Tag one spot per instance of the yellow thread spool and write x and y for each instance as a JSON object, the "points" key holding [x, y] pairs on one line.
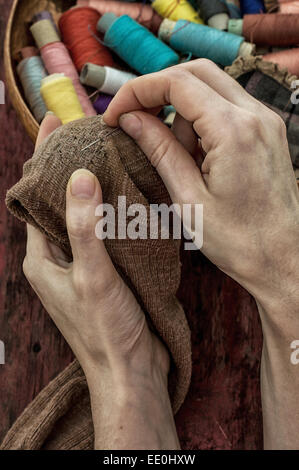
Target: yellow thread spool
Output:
{"points": [[176, 10], [61, 98]]}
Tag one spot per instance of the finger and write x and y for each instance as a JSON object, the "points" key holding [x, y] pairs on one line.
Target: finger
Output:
{"points": [[221, 82], [180, 86], [48, 125], [192, 98], [172, 161], [83, 196], [37, 244], [184, 133]]}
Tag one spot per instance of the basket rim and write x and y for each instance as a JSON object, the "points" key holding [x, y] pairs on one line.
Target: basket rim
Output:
{"points": [[19, 104]]}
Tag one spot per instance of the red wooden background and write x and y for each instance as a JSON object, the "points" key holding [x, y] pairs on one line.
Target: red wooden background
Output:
{"points": [[222, 410]]}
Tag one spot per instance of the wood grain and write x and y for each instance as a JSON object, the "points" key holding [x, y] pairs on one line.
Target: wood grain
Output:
{"points": [[223, 408]]}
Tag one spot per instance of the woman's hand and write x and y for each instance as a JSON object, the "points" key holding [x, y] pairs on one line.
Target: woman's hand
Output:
{"points": [[243, 177], [126, 366], [245, 181]]}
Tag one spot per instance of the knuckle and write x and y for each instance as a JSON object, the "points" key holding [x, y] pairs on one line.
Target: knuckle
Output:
{"points": [[178, 73], [159, 151], [80, 282], [251, 121], [80, 228], [278, 123], [28, 269], [205, 64]]}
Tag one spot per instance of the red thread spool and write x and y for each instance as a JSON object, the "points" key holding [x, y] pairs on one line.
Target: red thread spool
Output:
{"points": [[273, 30], [140, 12], [288, 59], [78, 27]]}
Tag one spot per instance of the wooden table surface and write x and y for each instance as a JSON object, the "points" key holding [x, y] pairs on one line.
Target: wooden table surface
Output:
{"points": [[222, 410]]}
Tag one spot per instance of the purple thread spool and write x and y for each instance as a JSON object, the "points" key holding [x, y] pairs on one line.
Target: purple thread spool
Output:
{"points": [[102, 102]]}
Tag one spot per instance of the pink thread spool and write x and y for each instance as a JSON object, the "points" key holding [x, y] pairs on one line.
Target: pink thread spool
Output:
{"points": [[57, 60]]}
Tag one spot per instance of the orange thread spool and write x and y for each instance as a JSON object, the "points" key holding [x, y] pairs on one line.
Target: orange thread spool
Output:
{"points": [[78, 26], [288, 59], [140, 12]]}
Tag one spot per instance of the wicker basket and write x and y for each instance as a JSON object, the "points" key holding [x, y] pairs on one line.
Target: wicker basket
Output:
{"points": [[18, 36]]}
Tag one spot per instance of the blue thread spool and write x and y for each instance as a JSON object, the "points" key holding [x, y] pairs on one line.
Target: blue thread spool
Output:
{"points": [[252, 6], [31, 72], [234, 11], [205, 42], [137, 46]]}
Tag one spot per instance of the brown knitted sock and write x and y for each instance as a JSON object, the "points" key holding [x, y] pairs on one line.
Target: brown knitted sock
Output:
{"points": [[60, 417]]}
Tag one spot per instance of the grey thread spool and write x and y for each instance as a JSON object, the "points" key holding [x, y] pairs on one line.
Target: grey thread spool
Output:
{"points": [[214, 12]]}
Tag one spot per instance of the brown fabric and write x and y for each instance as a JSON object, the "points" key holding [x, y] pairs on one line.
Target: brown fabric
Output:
{"points": [[60, 416]]}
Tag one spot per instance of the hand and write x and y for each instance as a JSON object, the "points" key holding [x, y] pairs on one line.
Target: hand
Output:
{"points": [[241, 172], [126, 366]]}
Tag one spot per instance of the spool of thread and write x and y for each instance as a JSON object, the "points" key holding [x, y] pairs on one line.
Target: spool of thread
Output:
{"points": [[234, 8], [214, 12], [61, 98], [140, 12], [288, 59], [27, 52], [176, 10], [289, 7], [44, 33], [57, 60], [78, 28], [31, 71], [204, 41], [271, 5], [169, 113], [249, 7], [45, 15], [105, 79], [137, 46], [102, 102], [273, 30]]}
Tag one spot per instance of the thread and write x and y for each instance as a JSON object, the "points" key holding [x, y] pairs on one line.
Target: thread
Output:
{"points": [[274, 30], [31, 72], [27, 52], [44, 33], [106, 79], [214, 12], [204, 41], [137, 46], [140, 12], [176, 10], [57, 60], [249, 7], [289, 7], [78, 27], [61, 98], [288, 59], [234, 8], [45, 15], [102, 102]]}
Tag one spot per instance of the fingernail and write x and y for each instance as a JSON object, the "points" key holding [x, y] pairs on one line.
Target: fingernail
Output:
{"points": [[131, 124], [49, 113], [83, 184]]}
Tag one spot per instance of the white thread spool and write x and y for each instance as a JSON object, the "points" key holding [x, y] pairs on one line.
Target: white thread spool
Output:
{"points": [[106, 79]]}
